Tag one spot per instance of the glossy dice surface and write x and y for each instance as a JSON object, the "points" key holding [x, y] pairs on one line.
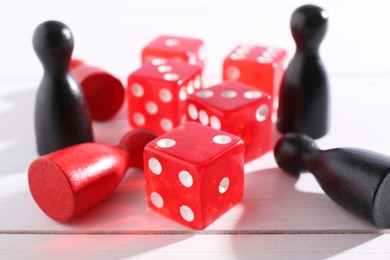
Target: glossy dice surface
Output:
{"points": [[157, 94], [236, 108], [185, 49], [258, 66], [194, 174]]}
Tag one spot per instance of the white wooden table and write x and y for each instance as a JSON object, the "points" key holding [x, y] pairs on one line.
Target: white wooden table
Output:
{"points": [[281, 217]]}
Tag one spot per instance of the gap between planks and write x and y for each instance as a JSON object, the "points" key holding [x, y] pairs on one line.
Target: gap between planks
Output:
{"points": [[195, 232]]}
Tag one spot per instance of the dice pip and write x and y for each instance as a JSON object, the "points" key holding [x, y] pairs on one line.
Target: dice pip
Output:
{"points": [[236, 108], [258, 66], [194, 174], [166, 47], [157, 94]]}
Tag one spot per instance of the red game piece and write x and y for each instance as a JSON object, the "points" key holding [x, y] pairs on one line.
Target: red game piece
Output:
{"points": [[103, 92], [67, 182], [157, 94], [165, 47], [258, 66], [194, 173], [236, 108]]}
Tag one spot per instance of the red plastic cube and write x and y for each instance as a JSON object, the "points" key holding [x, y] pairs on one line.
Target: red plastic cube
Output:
{"points": [[236, 108], [157, 94], [185, 49], [258, 66], [194, 174]]}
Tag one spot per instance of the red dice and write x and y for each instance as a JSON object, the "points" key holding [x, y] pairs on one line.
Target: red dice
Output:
{"points": [[157, 94], [236, 108], [185, 49], [194, 174], [258, 66]]}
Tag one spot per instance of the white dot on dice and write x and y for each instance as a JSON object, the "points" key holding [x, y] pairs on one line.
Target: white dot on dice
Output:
{"points": [[165, 95], [193, 112], [155, 166], [139, 118], [137, 89], [229, 94], [252, 94], [215, 123], [158, 61], [156, 200], [164, 68], [203, 117], [166, 124], [204, 93], [186, 213], [223, 185], [233, 73], [151, 107], [185, 178], [197, 82], [166, 143], [262, 113], [171, 76], [222, 139], [263, 59], [183, 93], [172, 42], [190, 87]]}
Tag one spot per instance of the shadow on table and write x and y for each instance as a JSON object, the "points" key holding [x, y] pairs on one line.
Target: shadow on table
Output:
{"points": [[117, 224], [17, 133], [17, 136], [125, 215], [282, 218]]}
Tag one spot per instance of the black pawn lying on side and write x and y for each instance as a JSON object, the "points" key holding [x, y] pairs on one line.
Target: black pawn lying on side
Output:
{"points": [[61, 116], [357, 179], [303, 101]]}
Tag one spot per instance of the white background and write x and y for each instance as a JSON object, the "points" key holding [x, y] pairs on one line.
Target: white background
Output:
{"points": [[281, 217]]}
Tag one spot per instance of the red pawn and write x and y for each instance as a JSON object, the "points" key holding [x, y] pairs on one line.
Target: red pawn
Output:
{"points": [[103, 92], [67, 182]]}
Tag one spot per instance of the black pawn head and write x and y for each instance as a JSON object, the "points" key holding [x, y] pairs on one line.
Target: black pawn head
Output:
{"points": [[293, 150], [309, 24], [53, 43]]}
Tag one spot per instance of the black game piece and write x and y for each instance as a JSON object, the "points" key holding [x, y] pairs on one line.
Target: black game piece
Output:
{"points": [[61, 116], [303, 101], [357, 179]]}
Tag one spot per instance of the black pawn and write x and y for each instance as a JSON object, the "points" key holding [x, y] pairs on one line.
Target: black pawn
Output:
{"points": [[303, 101], [357, 179], [61, 115]]}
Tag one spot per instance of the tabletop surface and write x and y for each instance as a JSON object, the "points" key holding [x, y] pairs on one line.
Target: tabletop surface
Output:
{"points": [[280, 217]]}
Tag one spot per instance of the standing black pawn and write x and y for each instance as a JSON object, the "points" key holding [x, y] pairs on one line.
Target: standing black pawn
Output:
{"points": [[357, 179], [61, 115], [303, 101]]}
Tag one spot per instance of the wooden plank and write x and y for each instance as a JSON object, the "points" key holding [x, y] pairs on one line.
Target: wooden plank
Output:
{"points": [[314, 246]]}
